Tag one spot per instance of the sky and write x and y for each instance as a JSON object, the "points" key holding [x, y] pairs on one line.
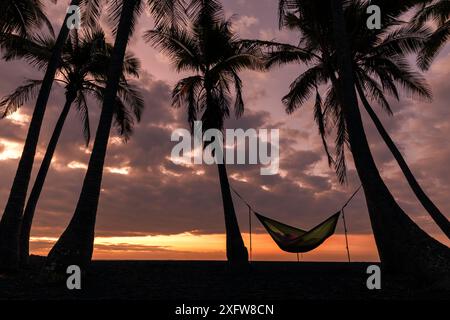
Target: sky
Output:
{"points": [[151, 208]]}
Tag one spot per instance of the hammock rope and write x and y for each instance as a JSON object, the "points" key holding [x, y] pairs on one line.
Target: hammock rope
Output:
{"points": [[250, 230], [250, 211], [345, 232], [345, 223]]}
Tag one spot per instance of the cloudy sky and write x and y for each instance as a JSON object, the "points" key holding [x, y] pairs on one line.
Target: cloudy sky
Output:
{"points": [[151, 208]]}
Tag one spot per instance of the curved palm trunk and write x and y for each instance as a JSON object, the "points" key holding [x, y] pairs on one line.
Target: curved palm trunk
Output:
{"points": [[75, 246], [40, 180], [402, 245], [236, 250], [12, 217], [434, 212]]}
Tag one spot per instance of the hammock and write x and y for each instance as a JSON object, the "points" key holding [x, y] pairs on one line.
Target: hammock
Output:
{"points": [[295, 240]]}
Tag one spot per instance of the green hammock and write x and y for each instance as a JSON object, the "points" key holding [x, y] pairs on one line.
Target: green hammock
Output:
{"points": [[295, 240]]}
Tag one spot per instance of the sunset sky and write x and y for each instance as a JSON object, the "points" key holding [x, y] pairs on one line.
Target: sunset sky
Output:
{"points": [[151, 208]]}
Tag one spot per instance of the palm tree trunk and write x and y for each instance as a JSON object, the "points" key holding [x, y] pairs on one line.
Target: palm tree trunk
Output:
{"points": [[40, 180], [434, 212], [402, 245], [12, 217], [75, 246], [236, 251]]}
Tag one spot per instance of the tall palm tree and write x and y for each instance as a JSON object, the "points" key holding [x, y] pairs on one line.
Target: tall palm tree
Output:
{"points": [[75, 246], [437, 11], [380, 63], [83, 73], [22, 16], [208, 48], [10, 223], [324, 46], [381, 55], [402, 245]]}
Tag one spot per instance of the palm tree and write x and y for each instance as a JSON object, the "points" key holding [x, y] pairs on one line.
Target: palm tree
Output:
{"points": [[10, 223], [438, 11], [402, 245], [209, 49], [75, 246], [383, 55], [22, 16], [332, 58], [380, 63], [83, 73]]}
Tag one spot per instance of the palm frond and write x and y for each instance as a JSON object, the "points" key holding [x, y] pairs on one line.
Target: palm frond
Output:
{"points": [[302, 88], [24, 93], [168, 14], [181, 48], [115, 10], [187, 93], [401, 72], [239, 100], [22, 16], [373, 91], [278, 58], [205, 12], [433, 46], [437, 11], [123, 120], [404, 40], [321, 122], [340, 163], [83, 110], [91, 12], [131, 65], [132, 98], [35, 50]]}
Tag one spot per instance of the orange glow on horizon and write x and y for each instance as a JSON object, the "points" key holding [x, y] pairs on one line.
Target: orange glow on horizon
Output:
{"points": [[188, 246]]}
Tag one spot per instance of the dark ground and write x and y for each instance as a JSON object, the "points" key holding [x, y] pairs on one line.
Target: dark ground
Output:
{"points": [[211, 280]]}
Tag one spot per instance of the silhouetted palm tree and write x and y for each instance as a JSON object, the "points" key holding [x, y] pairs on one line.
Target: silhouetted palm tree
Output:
{"points": [[83, 73], [22, 16], [402, 245], [210, 49], [381, 65], [10, 223], [437, 11], [75, 246], [331, 57]]}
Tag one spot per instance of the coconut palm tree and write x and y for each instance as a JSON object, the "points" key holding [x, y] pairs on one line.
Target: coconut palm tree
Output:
{"points": [[382, 55], [22, 16], [209, 49], [332, 58], [381, 65], [83, 73], [10, 223], [75, 246], [402, 245], [437, 11]]}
